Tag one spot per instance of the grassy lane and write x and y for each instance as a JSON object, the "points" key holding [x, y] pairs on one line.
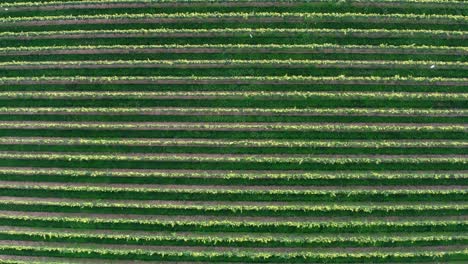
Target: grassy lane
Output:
{"points": [[12, 130], [236, 67], [259, 52], [234, 146], [214, 20], [229, 36], [236, 83], [213, 114]]}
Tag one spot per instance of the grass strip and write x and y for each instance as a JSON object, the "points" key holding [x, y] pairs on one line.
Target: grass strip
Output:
{"points": [[242, 16]]}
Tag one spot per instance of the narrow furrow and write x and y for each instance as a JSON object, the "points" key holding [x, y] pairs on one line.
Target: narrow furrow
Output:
{"points": [[330, 127]]}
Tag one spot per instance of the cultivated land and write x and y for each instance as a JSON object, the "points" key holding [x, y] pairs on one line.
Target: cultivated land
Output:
{"points": [[252, 131]]}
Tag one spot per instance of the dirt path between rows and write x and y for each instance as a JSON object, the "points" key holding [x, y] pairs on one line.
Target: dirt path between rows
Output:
{"points": [[239, 112], [116, 5], [88, 65], [233, 19], [111, 5], [232, 81], [223, 249], [371, 35], [252, 50]]}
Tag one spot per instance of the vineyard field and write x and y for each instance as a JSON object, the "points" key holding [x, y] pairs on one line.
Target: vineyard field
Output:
{"points": [[225, 131]]}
